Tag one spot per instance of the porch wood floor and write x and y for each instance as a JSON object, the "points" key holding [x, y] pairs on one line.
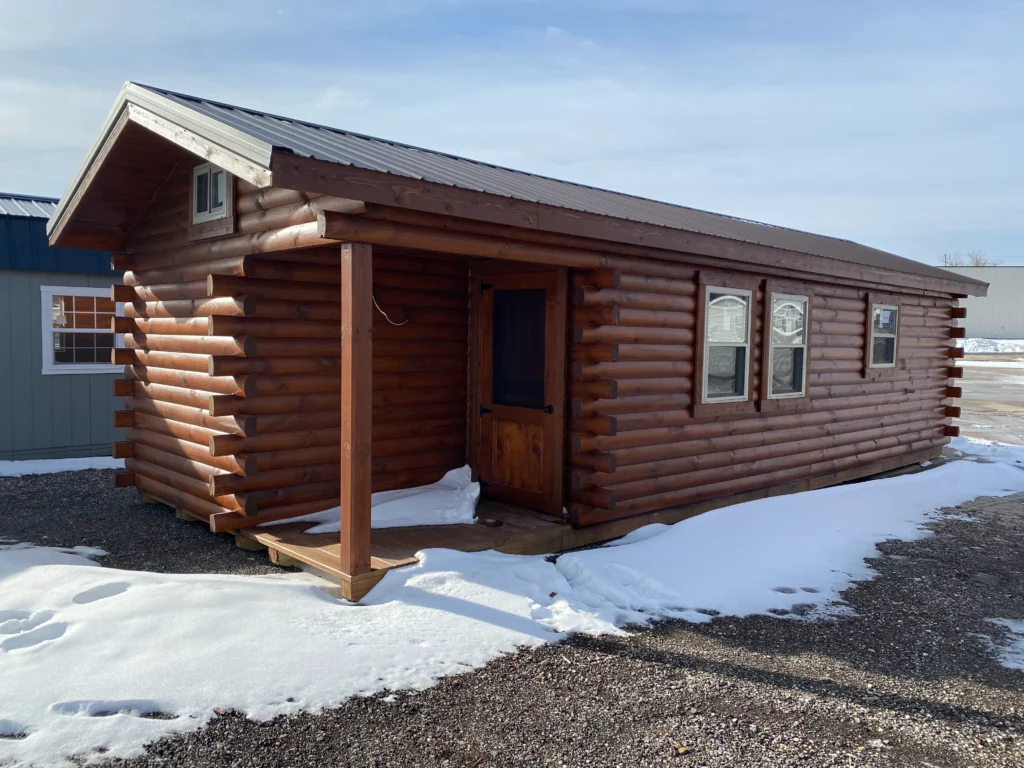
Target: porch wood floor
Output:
{"points": [[500, 526]]}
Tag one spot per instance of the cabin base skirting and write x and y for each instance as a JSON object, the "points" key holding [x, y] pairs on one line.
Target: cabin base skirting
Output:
{"points": [[522, 531]]}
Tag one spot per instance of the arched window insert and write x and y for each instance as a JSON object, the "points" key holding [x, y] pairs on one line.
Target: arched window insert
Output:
{"points": [[787, 353]]}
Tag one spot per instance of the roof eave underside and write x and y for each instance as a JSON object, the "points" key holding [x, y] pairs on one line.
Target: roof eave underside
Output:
{"points": [[244, 154]]}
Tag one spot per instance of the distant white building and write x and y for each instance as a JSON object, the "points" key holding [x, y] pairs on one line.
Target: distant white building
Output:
{"points": [[1000, 315]]}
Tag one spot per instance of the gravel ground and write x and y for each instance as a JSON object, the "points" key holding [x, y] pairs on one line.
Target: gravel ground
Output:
{"points": [[905, 682], [68, 509]]}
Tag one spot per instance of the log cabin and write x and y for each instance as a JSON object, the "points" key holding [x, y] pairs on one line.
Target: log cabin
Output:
{"points": [[312, 315]]}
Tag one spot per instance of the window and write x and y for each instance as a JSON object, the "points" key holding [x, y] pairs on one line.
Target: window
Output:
{"points": [[76, 330], [726, 344], [787, 354], [209, 193], [884, 328]]}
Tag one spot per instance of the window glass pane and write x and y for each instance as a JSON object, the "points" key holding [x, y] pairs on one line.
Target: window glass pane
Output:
{"points": [[84, 304], [727, 318], [788, 321], [82, 348], [217, 190], [62, 350], [884, 320], [727, 370], [203, 192], [883, 351], [787, 370], [518, 347], [60, 319], [105, 305]]}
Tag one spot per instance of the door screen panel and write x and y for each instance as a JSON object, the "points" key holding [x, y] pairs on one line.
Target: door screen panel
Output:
{"points": [[518, 347]]}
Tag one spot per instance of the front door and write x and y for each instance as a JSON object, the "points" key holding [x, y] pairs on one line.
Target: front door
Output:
{"points": [[521, 387]]}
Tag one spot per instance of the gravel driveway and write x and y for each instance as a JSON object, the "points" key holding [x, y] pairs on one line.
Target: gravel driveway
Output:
{"points": [[907, 681]]}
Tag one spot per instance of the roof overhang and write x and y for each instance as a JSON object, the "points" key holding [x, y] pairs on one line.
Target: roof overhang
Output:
{"points": [[239, 153]]}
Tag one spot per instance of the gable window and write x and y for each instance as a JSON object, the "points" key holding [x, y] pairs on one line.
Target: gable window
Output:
{"points": [[209, 193], [726, 344], [76, 330], [884, 330], [787, 354]]}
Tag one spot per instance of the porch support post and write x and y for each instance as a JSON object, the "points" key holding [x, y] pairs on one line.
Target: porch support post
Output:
{"points": [[356, 402]]}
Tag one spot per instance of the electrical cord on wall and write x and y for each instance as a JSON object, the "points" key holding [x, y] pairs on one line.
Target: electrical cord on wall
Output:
{"points": [[385, 313]]}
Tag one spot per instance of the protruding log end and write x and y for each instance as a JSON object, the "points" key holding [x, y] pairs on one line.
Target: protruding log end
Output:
{"points": [[953, 411], [124, 479], [951, 431], [122, 293], [956, 352], [959, 313], [956, 373], [124, 387], [124, 449], [124, 419], [120, 356], [954, 392], [958, 332]]}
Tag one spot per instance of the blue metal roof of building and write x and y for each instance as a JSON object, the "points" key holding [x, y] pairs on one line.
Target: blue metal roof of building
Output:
{"points": [[23, 243]]}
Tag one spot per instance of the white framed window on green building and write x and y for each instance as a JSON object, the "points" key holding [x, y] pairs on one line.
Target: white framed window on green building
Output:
{"points": [[76, 330]]}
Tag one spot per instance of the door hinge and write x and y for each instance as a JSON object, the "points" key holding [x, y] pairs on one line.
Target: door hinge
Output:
{"points": [[549, 409], [484, 410]]}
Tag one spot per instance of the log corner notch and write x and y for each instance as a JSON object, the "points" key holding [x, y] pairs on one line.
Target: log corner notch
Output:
{"points": [[356, 422]]}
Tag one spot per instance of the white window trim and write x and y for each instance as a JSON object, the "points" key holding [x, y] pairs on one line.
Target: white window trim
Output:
{"points": [[770, 333], [709, 289], [217, 213], [50, 368], [879, 335]]}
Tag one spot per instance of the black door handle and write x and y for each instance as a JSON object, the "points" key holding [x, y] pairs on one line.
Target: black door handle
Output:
{"points": [[549, 409]]}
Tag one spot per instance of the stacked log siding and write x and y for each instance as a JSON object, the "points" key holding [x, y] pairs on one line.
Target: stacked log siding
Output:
{"points": [[232, 350], [636, 446]]}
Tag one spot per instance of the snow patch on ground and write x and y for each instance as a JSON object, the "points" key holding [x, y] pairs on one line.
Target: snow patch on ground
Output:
{"points": [[774, 554], [991, 346], [1017, 364], [1011, 650], [95, 659], [450, 500], [49, 466], [1005, 453]]}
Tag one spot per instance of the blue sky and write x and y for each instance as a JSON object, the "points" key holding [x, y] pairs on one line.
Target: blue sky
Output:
{"points": [[896, 124]]}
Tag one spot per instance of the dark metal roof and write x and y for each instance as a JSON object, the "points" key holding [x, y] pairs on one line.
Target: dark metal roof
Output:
{"points": [[23, 243], [250, 136], [27, 205]]}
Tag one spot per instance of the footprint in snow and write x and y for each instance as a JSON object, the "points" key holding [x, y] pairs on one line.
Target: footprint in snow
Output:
{"points": [[15, 622], [785, 590], [144, 708], [11, 730], [100, 592], [34, 637]]}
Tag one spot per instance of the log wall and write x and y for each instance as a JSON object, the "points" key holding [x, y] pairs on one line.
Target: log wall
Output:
{"points": [[232, 371], [635, 445]]}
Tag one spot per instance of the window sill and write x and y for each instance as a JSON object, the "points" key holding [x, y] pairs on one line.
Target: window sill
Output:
{"points": [[82, 369], [729, 407]]}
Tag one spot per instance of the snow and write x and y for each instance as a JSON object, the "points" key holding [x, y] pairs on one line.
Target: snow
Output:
{"points": [[1005, 453], [991, 346], [85, 650], [450, 500], [1011, 651], [49, 466], [1014, 364]]}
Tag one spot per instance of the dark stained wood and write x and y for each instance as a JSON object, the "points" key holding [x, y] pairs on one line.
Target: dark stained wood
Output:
{"points": [[519, 453], [356, 389]]}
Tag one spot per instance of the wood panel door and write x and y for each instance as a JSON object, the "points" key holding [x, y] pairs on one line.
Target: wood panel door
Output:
{"points": [[521, 386]]}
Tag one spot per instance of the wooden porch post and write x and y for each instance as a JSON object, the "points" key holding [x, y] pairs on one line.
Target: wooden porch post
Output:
{"points": [[356, 401]]}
